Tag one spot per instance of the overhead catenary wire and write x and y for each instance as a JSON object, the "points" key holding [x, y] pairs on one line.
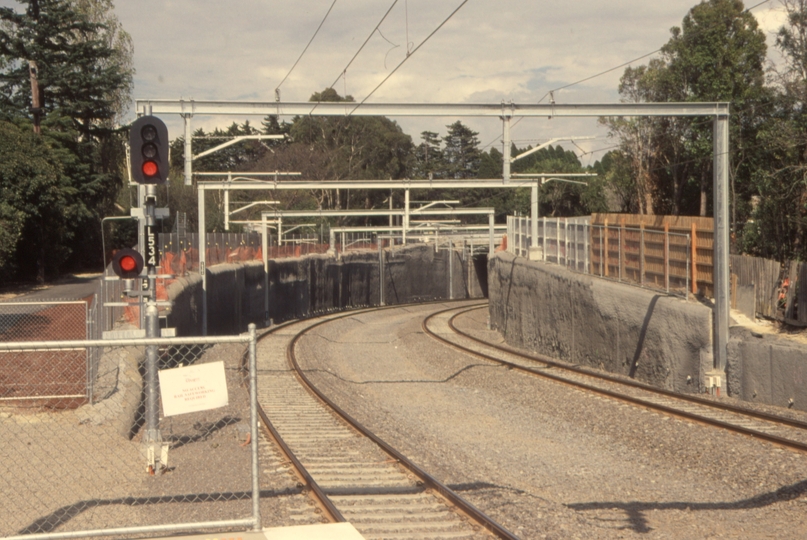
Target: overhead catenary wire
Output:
{"points": [[391, 73], [551, 92], [277, 90], [604, 72], [372, 33]]}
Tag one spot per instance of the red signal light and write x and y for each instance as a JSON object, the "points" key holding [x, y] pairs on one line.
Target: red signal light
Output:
{"points": [[148, 150], [128, 263], [149, 168]]}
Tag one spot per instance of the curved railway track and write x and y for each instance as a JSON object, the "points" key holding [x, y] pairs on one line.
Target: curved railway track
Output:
{"points": [[353, 474], [777, 429]]}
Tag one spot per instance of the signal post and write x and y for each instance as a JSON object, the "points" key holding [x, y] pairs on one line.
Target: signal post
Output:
{"points": [[148, 144]]}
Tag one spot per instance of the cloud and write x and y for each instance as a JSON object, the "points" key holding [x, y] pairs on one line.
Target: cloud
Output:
{"points": [[491, 50]]}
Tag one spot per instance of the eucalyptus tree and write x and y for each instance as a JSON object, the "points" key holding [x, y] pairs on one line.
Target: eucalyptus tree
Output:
{"points": [[717, 54]]}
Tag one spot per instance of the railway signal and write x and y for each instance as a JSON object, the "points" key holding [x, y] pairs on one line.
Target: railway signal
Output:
{"points": [[148, 147], [127, 263]]}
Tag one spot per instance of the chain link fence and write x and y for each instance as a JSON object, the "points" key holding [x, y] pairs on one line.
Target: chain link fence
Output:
{"points": [[80, 470], [27, 378]]}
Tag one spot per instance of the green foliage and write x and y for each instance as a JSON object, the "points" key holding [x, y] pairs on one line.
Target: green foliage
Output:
{"points": [[717, 54], [329, 148], [232, 158], [429, 159], [74, 69], [777, 203], [37, 200], [84, 74], [461, 154], [490, 165]]}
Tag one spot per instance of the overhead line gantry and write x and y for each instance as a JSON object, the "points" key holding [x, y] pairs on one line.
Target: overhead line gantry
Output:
{"points": [[718, 111]]}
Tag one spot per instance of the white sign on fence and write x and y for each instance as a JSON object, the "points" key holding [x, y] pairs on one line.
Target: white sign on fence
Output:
{"points": [[193, 388]]}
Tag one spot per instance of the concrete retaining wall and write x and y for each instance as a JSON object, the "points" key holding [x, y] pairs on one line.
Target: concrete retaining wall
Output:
{"points": [[661, 340], [303, 286], [767, 369], [654, 338]]}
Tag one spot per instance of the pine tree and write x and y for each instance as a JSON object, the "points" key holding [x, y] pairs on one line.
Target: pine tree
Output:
{"points": [[68, 49], [429, 162], [461, 153]]}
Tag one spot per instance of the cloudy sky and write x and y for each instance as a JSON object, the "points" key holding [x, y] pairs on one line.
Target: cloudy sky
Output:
{"points": [[489, 51]]}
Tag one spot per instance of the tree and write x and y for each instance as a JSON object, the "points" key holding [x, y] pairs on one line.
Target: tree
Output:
{"points": [[461, 153], [429, 160], [778, 202], [37, 201], [717, 54], [111, 33], [83, 83], [76, 73], [329, 148], [491, 164]]}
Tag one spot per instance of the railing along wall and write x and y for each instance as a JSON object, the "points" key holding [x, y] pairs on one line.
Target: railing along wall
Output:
{"points": [[642, 256]]}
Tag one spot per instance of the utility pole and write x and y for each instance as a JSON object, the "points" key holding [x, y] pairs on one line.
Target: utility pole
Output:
{"points": [[36, 101], [36, 98]]}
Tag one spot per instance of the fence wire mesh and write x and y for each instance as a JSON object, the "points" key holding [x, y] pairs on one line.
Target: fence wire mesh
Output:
{"points": [[75, 466], [648, 258], [30, 378]]}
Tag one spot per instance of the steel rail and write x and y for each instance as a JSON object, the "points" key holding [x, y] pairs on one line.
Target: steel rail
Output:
{"points": [[636, 384], [464, 506], [327, 505], [316, 491], [796, 445]]}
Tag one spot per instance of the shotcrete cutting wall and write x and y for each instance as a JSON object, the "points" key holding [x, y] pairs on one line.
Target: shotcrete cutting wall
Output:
{"points": [[658, 339], [302, 286], [767, 369]]}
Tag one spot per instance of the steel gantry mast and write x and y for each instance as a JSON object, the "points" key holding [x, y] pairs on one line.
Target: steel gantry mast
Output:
{"points": [[718, 111]]}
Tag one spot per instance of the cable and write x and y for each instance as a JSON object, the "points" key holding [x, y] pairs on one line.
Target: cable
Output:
{"points": [[277, 90], [551, 92], [599, 74], [747, 10], [344, 70], [408, 56]]}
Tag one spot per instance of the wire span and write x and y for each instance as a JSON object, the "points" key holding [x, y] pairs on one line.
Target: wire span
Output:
{"points": [[391, 73], [277, 90]]}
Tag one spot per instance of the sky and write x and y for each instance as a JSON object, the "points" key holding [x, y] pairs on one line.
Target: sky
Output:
{"points": [[489, 51]]}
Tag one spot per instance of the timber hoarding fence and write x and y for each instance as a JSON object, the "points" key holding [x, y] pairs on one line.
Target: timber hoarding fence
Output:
{"points": [[647, 257], [672, 253], [81, 472], [775, 291]]}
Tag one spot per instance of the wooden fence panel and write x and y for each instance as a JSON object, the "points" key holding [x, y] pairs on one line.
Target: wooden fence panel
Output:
{"points": [[678, 252], [764, 274], [801, 294], [790, 297]]}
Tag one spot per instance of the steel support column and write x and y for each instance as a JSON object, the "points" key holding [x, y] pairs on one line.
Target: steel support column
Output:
{"points": [[534, 215], [265, 253], [227, 206], [490, 235], [506, 148], [188, 150], [406, 216], [721, 240], [202, 257]]}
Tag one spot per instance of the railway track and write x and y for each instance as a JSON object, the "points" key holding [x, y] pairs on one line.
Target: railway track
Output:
{"points": [[353, 474], [777, 429]]}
